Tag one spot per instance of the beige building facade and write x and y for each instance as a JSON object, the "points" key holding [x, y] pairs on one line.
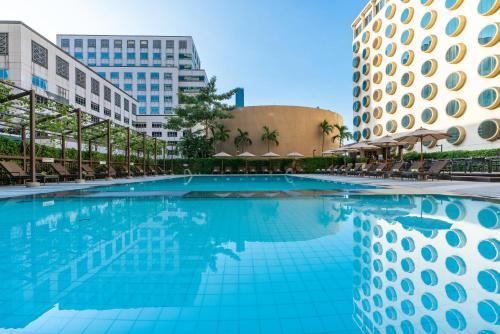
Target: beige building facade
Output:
{"points": [[298, 129]]}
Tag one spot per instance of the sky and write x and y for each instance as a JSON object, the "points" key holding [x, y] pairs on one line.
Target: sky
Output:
{"points": [[289, 52]]}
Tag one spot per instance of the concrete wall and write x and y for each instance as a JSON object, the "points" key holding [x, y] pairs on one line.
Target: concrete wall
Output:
{"points": [[298, 129]]}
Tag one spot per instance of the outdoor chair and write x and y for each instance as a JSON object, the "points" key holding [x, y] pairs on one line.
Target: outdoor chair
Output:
{"points": [[365, 169], [88, 172], [339, 169], [354, 170], [277, 170], [242, 170], [252, 170], [396, 169], [378, 170], [228, 170], [414, 171], [299, 169], [216, 170], [436, 169], [14, 172], [61, 171], [265, 170]]}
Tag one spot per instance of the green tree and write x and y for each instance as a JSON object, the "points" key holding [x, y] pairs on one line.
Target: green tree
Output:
{"points": [[342, 134], [220, 133], [326, 129], [242, 140], [269, 137]]}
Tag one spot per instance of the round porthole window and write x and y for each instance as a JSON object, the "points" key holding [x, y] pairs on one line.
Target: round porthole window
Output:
{"points": [[488, 7], [429, 115], [407, 58], [390, 49], [355, 62], [489, 67], [489, 35], [377, 24], [457, 135], [429, 143], [365, 117], [377, 60], [390, 69], [366, 101], [366, 69], [426, 2], [366, 133], [453, 4], [390, 30], [377, 95], [429, 91], [391, 126], [489, 129], [356, 106], [429, 44], [490, 98], [455, 81], [407, 100], [407, 15], [377, 42], [391, 87], [377, 130], [390, 11], [408, 121], [407, 79], [366, 53], [391, 107], [407, 36], [456, 108], [356, 135], [355, 47], [455, 53], [377, 112], [429, 67], [428, 20], [355, 76], [455, 26], [366, 37], [377, 77], [356, 120], [356, 91], [366, 85]]}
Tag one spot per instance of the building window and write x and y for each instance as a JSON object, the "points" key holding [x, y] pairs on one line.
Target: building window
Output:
{"points": [[127, 87], [94, 86], [172, 134], [39, 54], [104, 55], [80, 100], [127, 75], [126, 120], [169, 44], [107, 112], [4, 43], [155, 98], [79, 43], [156, 134], [65, 43], [118, 55], [134, 109], [168, 111], [155, 75], [118, 117], [141, 76], [63, 93], [142, 110], [126, 105], [79, 55], [118, 100], [155, 87], [62, 67], [38, 82], [155, 110], [156, 125], [117, 44], [130, 55], [91, 43], [107, 94], [167, 87], [143, 55], [104, 43], [167, 76], [141, 87], [141, 98], [131, 44], [156, 44], [143, 44], [115, 75], [94, 119], [80, 78], [140, 125], [94, 106], [91, 55], [183, 44]]}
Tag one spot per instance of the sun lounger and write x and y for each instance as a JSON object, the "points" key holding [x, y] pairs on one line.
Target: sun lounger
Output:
{"points": [[299, 169], [396, 169], [228, 170], [277, 170], [414, 171], [436, 169], [14, 172], [378, 170], [252, 170], [242, 170], [88, 172], [354, 170], [61, 171], [365, 169], [265, 170], [216, 170]]}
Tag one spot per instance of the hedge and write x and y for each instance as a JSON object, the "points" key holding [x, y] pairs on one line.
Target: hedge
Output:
{"points": [[453, 154]]}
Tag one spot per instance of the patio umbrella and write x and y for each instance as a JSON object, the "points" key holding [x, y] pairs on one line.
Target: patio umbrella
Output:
{"points": [[222, 155], [246, 154], [363, 146], [421, 135], [270, 155], [386, 142], [295, 155]]}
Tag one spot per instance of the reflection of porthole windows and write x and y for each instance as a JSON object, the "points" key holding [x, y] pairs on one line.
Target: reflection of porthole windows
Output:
{"points": [[489, 67], [429, 253], [356, 120], [456, 265], [407, 79], [455, 81], [489, 280], [377, 95], [488, 7], [355, 47], [455, 237], [407, 15], [390, 11], [355, 62], [390, 69], [429, 44], [457, 135], [407, 58], [391, 126], [366, 101], [366, 53], [390, 49], [429, 91], [489, 217], [407, 286], [366, 85], [356, 91], [490, 98], [377, 77], [407, 100], [456, 108], [391, 107], [390, 30], [377, 42], [356, 106], [429, 67], [455, 53], [429, 115], [489, 249], [408, 121], [366, 133], [407, 36], [489, 35], [426, 2], [408, 244], [455, 26], [391, 87], [456, 320], [377, 112], [429, 301], [428, 20], [429, 277], [377, 60], [366, 69], [453, 4], [489, 311], [489, 129], [355, 76], [429, 206], [377, 24], [377, 130], [366, 37]]}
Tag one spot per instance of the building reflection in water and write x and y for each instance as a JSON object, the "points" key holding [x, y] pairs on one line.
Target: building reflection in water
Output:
{"points": [[426, 264]]}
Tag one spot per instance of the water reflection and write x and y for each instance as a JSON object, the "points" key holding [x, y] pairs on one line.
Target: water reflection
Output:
{"points": [[433, 269]]}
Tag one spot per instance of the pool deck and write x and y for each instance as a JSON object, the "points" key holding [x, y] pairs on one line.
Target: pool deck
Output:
{"points": [[392, 186]]}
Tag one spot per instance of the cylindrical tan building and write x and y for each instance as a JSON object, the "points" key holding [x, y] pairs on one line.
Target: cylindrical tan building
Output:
{"points": [[298, 129]]}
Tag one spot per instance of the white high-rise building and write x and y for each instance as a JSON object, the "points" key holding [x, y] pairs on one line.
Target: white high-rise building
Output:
{"points": [[31, 61], [153, 69], [428, 63]]}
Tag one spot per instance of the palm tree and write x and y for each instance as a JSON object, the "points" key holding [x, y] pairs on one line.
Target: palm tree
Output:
{"points": [[342, 134], [326, 129], [220, 133], [242, 140], [270, 136]]}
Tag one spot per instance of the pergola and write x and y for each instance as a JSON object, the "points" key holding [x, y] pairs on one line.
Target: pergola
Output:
{"points": [[22, 111]]}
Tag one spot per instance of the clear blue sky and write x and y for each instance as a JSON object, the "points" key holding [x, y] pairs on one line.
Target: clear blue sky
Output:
{"points": [[294, 52]]}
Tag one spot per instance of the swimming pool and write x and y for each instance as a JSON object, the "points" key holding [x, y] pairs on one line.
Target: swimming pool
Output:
{"points": [[336, 264]]}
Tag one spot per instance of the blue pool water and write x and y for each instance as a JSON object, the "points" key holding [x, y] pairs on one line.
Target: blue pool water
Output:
{"points": [[336, 264]]}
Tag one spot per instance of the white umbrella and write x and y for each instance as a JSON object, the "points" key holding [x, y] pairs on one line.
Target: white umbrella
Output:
{"points": [[222, 155], [387, 142], [270, 155], [246, 154], [421, 135], [295, 155]]}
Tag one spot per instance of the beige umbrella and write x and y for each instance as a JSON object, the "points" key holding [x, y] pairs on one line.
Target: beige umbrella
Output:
{"points": [[387, 142], [421, 135], [246, 154], [222, 155], [295, 155], [270, 155]]}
